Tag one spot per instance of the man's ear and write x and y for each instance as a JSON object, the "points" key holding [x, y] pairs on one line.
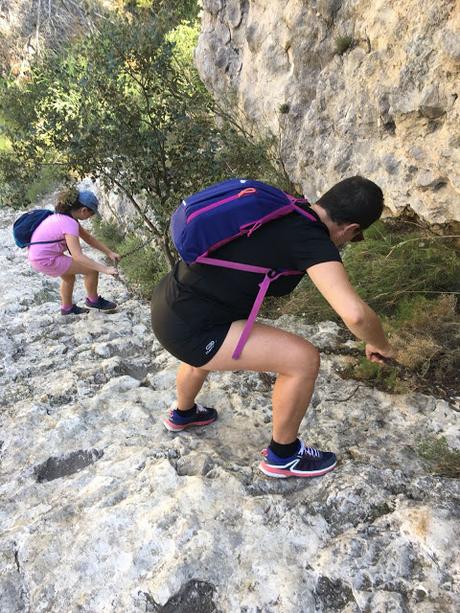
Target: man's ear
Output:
{"points": [[352, 227]]}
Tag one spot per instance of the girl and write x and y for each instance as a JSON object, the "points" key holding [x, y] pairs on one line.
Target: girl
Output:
{"points": [[63, 232]]}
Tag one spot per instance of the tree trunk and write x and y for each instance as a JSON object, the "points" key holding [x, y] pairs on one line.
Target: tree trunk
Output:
{"points": [[171, 259]]}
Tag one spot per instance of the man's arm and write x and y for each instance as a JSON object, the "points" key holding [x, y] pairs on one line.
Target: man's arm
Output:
{"points": [[332, 281]]}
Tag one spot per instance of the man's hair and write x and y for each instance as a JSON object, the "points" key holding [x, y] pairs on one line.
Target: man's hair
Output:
{"points": [[353, 200]]}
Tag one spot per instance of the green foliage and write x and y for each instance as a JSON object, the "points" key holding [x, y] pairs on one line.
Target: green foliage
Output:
{"points": [[174, 11], [390, 269], [440, 459], [385, 378], [49, 179], [126, 104], [5, 143], [144, 268], [184, 38], [142, 265], [109, 233], [390, 265]]}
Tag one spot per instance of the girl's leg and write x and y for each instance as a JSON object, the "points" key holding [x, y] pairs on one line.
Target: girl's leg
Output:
{"points": [[91, 280], [67, 285], [91, 277]]}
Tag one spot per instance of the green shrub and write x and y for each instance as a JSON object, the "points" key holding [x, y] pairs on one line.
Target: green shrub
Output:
{"points": [[48, 180], [386, 378], [141, 265], [390, 268], [108, 232], [440, 459], [144, 268], [402, 274], [343, 43]]}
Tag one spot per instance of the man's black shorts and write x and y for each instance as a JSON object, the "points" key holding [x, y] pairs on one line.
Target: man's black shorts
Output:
{"points": [[191, 337]]}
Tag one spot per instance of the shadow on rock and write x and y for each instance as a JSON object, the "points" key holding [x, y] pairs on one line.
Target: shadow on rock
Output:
{"points": [[65, 465]]}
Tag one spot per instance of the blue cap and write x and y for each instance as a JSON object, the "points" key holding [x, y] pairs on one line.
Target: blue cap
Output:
{"points": [[88, 199]]}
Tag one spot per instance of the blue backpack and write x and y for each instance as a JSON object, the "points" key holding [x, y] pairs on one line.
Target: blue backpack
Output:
{"points": [[24, 227], [223, 212]]}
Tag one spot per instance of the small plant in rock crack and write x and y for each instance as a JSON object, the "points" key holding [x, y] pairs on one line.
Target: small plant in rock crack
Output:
{"points": [[343, 43]]}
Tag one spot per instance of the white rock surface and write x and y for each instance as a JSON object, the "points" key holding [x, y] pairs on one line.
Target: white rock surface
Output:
{"points": [[102, 510], [386, 108]]}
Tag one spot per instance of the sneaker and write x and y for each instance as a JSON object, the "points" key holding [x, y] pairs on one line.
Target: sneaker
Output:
{"points": [[202, 416], [75, 310], [307, 462], [101, 304]]}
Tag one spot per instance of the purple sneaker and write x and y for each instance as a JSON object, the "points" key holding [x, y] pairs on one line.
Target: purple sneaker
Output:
{"points": [[202, 416], [74, 310], [307, 462], [101, 304]]}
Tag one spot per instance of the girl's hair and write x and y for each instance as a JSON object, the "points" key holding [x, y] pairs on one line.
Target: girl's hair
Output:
{"points": [[68, 201]]}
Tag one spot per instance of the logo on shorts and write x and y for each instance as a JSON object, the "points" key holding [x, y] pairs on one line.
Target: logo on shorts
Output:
{"points": [[209, 347]]}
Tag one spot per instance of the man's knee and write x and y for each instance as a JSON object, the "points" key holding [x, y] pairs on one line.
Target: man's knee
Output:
{"points": [[199, 372], [308, 361]]}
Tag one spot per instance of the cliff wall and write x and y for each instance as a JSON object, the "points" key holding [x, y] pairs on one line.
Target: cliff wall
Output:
{"points": [[351, 87]]}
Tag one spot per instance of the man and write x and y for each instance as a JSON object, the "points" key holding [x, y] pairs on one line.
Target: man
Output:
{"points": [[199, 311]]}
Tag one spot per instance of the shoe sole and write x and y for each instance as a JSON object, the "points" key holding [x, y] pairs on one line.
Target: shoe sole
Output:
{"points": [[76, 314], [280, 473], [172, 427], [102, 310]]}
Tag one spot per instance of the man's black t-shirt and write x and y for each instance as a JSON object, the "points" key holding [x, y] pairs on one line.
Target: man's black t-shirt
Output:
{"points": [[215, 295]]}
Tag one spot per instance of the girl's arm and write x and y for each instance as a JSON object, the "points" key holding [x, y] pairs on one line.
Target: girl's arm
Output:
{"points": [[73, 244], [93, 242]]}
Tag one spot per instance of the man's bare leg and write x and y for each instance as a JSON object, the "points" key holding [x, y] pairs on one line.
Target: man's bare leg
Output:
{"points": [[296, 362], [294, 359], [189, 381]]}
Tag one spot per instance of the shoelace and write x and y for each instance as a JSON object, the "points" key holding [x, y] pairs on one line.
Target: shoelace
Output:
{"points": [[311, 451]]}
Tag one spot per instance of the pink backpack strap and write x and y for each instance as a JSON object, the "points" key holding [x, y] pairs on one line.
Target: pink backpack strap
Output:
{"points": [[293, 201], [234, 265], [270, 276]]}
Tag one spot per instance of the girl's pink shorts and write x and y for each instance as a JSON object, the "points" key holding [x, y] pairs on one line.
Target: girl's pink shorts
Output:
{"points": [[54, 266]]}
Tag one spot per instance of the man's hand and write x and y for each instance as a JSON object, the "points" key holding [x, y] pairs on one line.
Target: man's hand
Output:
{"points": [[378, 355]]}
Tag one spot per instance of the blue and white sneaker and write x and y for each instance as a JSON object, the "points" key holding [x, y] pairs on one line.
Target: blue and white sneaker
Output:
{"points": [[307, 462], [202, 416]]}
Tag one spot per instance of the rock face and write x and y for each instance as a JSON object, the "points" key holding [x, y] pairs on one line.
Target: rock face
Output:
{"points": [[351, 87], [104, 510]]}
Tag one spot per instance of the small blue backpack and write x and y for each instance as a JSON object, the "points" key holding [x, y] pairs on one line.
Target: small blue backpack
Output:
{"points": [[24, 227], [223, 212]]}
